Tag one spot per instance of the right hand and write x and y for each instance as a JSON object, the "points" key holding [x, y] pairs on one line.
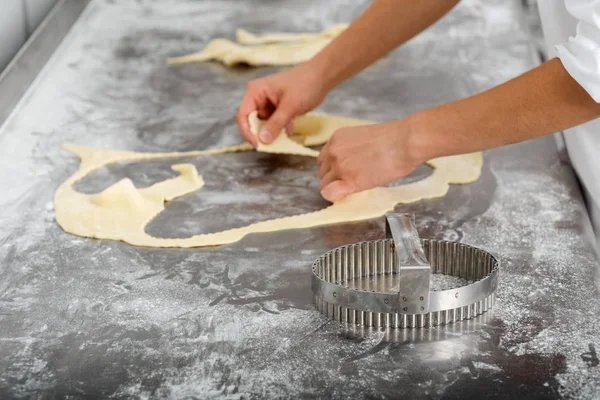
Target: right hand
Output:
{"points": [[278, 99]]}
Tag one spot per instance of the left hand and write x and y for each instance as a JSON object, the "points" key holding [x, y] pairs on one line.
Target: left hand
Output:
{"points": [[364, 157]]}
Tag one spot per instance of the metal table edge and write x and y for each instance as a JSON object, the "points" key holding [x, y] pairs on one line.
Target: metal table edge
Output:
{"points": [[21, 72]]}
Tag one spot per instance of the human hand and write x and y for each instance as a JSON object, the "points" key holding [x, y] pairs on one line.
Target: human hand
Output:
{"points": [[278, 99], [364, 157]]}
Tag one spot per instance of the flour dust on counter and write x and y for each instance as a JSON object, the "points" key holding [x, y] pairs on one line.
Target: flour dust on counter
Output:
{"points": [[545, 265]]}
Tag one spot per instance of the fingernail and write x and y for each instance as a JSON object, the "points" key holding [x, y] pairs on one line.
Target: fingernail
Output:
{"points": [[328, 194], [265, 136]]}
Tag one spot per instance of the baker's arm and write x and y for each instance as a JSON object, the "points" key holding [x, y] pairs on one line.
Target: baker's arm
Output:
{"points": [[544, 100], [559, 94], [385, 25]]}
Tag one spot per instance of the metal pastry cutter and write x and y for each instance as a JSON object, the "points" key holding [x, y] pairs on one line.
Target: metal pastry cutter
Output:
{"points": [[386, 283]]}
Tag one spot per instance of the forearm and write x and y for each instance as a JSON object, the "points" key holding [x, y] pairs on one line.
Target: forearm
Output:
{"points": [[385, 25], [540, 102]]}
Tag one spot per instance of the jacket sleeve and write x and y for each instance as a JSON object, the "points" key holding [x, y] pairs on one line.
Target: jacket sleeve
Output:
{"points": [[580, 55]]}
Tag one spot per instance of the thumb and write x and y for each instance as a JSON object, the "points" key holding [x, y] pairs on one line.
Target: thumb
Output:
{"points": [[276, 124], [337, 190]]}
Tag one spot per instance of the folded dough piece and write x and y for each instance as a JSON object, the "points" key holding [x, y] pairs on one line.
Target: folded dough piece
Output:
{"points": [[277, 49], [314, 129], [245, 37], [282, 144]]}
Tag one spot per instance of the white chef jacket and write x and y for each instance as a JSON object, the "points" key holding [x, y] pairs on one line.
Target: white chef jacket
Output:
{"points": [[572, 33]]}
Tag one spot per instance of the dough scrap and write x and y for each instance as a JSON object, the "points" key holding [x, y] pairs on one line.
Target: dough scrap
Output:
{"points": [[245, 37], [277, 49], [282, 144], [122, 211], [230, 53]]}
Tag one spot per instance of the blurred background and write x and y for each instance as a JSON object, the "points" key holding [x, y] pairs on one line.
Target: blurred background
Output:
{"points": [[20, 18], [18, 21]]}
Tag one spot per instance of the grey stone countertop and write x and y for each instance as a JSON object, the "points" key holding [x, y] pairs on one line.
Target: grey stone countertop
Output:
{"points": [[83, 318]]}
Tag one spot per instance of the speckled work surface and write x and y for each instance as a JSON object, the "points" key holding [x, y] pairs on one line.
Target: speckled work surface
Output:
{"points": [[86, 318]]}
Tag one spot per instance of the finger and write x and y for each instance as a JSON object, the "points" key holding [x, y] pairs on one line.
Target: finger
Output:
{"points": [[322, 154], [324, 169], [337, 190], [329, 177], [289, 128], [274, 125], [244, 126], [246, 107]]}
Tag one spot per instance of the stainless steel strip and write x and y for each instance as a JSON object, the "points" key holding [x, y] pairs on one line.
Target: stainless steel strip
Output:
{"points": [[29, 61], [378, 309]]}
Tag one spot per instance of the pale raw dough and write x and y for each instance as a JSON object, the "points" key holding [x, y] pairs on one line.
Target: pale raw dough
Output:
{"points": [[277, 49], [245, 37], [121, 212], [279, 54], [282, 144]]}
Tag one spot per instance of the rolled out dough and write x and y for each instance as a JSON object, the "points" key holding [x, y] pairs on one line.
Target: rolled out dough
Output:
{"points": [[122, 211], [277, 49], [245, 37]]}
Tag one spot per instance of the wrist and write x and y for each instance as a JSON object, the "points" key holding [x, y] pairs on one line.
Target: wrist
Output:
{"points": [[322, 71], [421, 143]]}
